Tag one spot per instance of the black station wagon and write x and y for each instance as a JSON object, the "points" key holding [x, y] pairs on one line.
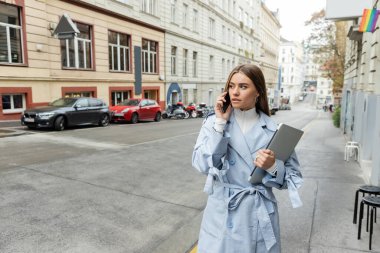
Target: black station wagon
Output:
{"points": [[66, 112]]}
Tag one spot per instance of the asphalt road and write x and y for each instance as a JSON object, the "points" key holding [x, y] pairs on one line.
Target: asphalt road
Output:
{"points": [[122, 188]]}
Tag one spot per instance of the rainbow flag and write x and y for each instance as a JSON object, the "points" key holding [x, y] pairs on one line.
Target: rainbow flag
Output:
{"points": [[369, 19]]}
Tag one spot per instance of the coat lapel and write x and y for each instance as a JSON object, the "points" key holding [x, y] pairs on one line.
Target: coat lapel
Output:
{"points": [[238, 142], [256, 138]]}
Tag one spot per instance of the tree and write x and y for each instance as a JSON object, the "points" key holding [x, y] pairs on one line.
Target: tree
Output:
{"points": [[327, 44]]}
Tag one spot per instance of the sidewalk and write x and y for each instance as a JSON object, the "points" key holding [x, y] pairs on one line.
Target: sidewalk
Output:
{"points": [[324, 223], [9, 128]]}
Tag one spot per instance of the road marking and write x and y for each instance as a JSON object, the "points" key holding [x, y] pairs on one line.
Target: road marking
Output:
{"points": [[195, 249]]}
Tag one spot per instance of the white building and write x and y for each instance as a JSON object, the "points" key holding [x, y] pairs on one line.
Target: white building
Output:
{"points": [[270, 43], [292, 71], [204, 40], [314, 77]]}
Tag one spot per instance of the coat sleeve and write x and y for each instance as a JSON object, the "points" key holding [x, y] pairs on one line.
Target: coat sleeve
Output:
{"points": [[288, 177], [210, 148]]}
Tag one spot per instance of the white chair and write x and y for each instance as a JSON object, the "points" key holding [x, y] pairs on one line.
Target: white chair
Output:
{"points": [[351, 150]]}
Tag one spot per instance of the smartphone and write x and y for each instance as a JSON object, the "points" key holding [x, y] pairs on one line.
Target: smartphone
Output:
{"points": [[227, 103]]}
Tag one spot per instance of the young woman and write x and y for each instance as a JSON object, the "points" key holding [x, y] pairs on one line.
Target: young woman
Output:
{"points": [[241, 217]]}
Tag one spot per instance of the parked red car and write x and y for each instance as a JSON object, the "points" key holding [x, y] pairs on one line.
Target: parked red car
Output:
{"points": [[134, 110]]}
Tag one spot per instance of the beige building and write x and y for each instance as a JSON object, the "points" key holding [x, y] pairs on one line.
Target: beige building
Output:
{"points": [[270, 44], [102, 61]]}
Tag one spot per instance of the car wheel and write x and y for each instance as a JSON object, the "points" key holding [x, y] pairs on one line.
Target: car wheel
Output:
{"points": [[59, 123], [158, 117], [104, 120], [135, 118]]}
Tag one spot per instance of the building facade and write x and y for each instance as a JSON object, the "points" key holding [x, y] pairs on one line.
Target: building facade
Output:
{"points": [[114, 57], [270, 44], [360, 108], [167, 50], [292, 70]]}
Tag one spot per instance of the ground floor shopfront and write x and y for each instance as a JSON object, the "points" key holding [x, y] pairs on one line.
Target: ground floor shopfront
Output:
{"points": [[17, 96]]}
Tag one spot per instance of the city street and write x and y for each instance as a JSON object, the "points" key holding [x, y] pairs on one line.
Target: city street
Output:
{"points": [[131, 188]]}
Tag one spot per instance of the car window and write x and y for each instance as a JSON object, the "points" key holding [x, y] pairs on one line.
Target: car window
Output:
{"points": [[82, 102], [64, 102], [96, 102], [133, 102], [152, 102], [144, 103]]}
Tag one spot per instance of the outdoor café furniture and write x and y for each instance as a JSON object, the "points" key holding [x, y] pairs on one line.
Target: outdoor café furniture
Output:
{"points": [[351, 149], [365, 189], [373, 202]]}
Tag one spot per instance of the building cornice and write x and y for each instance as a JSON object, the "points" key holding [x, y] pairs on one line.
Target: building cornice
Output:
{"points": [[105, 11]]}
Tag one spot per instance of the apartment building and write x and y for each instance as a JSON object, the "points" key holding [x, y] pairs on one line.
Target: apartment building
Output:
{"points": [[270, 44], [360, 106], [114, 57], [168, 50], [314, 76], [292, 69], [204, 40]]}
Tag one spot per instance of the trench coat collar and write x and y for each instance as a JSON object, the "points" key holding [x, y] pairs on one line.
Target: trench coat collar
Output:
{"points": [[256, 138]]}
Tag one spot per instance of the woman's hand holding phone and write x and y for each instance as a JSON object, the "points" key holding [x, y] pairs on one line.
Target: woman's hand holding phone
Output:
{"points": [[223, 101]]}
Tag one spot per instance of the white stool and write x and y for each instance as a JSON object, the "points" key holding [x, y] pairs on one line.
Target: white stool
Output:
{"points": [[351, 149]]}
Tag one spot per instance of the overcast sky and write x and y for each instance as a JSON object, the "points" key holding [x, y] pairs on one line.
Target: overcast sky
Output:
{"points": [[293, 14]]}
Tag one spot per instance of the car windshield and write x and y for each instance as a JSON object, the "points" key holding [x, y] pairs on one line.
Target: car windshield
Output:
{"points": [[133, 102], [64, 102]]}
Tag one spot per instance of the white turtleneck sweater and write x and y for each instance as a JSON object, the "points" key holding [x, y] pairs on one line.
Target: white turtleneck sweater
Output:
{"points": [[246, 120]]}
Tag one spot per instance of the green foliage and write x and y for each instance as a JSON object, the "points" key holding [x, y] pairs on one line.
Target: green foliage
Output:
{"points": [[336, 117]]}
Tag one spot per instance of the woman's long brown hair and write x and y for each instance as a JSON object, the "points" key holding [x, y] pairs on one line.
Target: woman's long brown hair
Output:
{"points": [[256, 75]]}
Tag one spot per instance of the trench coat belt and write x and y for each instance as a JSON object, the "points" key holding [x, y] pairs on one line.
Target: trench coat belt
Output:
{"points": [[265, 223]]}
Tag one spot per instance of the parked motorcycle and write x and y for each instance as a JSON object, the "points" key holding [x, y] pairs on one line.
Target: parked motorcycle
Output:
{"points": [[176, 111], [202, 110], [192, 110]]}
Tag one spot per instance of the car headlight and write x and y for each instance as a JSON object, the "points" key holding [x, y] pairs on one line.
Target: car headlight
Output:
{"points": [[45, 115], [125, 110]]}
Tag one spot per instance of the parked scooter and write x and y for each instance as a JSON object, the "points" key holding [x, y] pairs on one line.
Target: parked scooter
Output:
{"points": [[176, 111], [202, 110]]}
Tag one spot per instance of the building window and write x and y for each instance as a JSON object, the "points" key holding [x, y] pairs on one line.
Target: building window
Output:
{"points": [[174, 60], [86, 94], [211, 66], [223, 34], [13, 103], [149, 6], [195, 55], [173, 10], [240, 14], [118, 97], [211, 28], [149, 56], [77, 52], [119, 51], [233, 39], [185, 63], [11, 50], [185, 14], [223, 68], [185, 97], [195, 20]]}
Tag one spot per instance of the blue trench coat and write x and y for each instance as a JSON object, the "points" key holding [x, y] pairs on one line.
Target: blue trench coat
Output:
{"points": [[240, 217]]}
